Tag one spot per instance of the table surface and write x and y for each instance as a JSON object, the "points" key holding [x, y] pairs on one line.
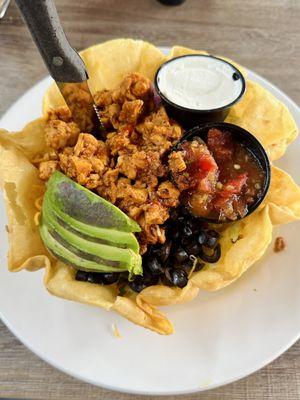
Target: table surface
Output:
{"points": [[263, 35]]}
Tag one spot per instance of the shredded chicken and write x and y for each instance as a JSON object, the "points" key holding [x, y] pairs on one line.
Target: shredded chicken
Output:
{"points": [[129, 167], [176, 162], [60, 134], [46, 169]]}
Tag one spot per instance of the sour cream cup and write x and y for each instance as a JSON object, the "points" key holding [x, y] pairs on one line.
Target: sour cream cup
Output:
{"points": [[197, 88]]}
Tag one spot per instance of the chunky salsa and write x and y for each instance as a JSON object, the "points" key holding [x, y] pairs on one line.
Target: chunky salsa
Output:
{"points": [[218, 179]]}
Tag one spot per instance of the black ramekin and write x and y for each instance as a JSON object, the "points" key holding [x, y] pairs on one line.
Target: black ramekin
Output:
{"points": [[251, 144], [189, 117]]}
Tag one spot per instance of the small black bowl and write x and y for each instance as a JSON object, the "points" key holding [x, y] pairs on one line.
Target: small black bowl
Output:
{"points": [[189, 117], [249, 142]]}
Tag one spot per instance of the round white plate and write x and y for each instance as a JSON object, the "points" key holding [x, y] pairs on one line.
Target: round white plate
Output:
{"points": [[220, 337]]}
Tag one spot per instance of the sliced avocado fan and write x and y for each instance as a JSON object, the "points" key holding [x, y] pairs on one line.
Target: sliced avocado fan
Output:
{"points": [[87, 232], [86, 206]]}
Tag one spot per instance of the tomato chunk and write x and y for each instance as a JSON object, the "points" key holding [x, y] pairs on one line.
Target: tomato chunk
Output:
{"points": [[206, 164], [235, 186], [220, 144]]}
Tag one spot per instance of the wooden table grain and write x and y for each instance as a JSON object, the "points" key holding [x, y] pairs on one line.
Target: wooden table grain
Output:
{"points": [[264, 35]]}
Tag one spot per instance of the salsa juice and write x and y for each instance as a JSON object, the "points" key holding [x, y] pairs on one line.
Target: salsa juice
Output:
{"points": [[221, 178]]}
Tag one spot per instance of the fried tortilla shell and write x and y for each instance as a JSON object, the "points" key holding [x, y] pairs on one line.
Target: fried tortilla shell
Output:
{"points": [[143, 314], [139, 309], [260, 113], [60, 280], [30, 140], [107, 63], [243, 243], [283, 198], [160, 295], [21, 187]]}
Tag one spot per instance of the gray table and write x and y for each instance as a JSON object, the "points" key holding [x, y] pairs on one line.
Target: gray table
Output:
{"points": [[261, 34]]}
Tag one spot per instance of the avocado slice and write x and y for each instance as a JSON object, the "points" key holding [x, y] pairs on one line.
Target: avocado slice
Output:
{"points": [[85, 206], [86, 231], [103, 251], [112, 237], [84, 261]]}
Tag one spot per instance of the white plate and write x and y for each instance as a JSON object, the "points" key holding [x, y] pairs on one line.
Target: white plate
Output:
{"points": [[220, 337]]}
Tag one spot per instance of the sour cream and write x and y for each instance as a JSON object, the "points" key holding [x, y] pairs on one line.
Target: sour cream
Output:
{"points": [[200, 82]]}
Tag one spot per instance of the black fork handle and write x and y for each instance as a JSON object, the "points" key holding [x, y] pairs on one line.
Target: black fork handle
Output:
{"points": [[63, 62]]}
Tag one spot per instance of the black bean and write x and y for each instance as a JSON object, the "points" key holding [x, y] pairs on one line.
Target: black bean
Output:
{"points": [[150, 279], [195, 225], [185, 241], [123, 282], [110, 277], [174, 214], [214, 257], [94, 277], [211, 242], [137, 285], [175, 277], [186, 266], [123, 277], [173, 232], [160, 252], [166, 279], [176, 235], [165, 251], [193, 248], [81, 276], [201, 237], [153, 252], [154, 266], [179, 220], [187, 231], [180, 255], [184, 211], [141, 282], [186, 235], [179, 278]]}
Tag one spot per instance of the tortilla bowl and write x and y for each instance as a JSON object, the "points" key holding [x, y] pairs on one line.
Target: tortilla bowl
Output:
{"points": [[259, 112]]}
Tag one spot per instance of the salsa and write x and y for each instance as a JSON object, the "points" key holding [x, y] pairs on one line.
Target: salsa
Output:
{"points": [[219, 179]]}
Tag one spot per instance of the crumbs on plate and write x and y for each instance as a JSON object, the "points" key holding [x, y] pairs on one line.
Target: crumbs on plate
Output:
{"points": [[116, 331], [279, 244]]}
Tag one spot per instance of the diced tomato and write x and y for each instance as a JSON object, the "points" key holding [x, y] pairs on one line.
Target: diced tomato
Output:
{"points": [[234, 186], [220, 144], [227, 203], [207, 173], [223, 203], [207, 164], [199, 161]]}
